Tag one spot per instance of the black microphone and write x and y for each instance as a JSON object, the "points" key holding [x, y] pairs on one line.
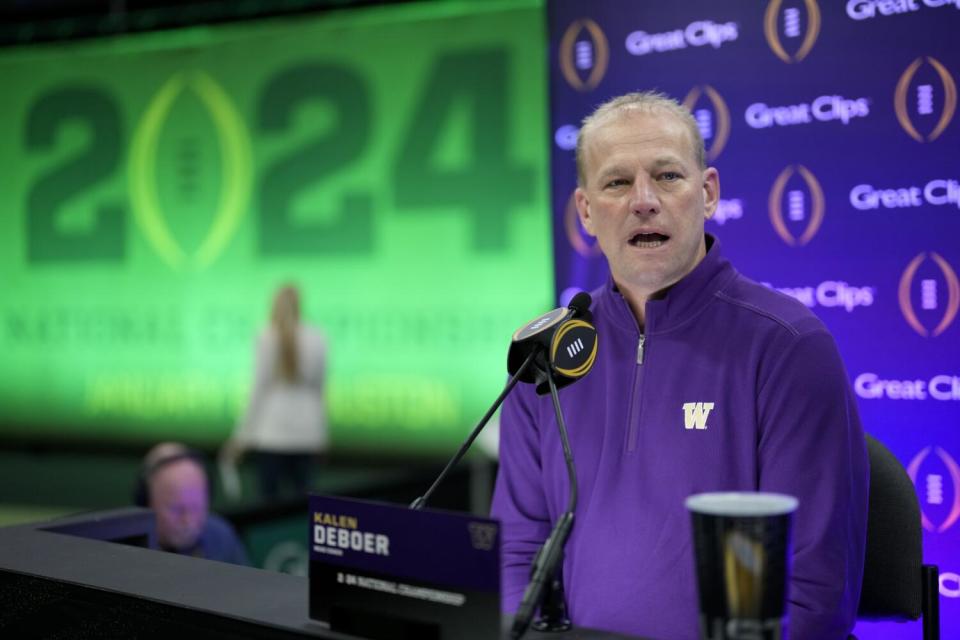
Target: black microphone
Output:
{"points": [[421, 501], [564, 341], [573, 341], [545, 589], [580, 303], [566, 346], [543, 571], [553, 350]]}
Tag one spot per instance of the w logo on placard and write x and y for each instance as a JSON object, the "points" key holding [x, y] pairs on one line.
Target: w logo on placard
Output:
{"points": [[937, 480], [575, 348], [787, 23], [938, 295], [584, 54], [920, 106], [695, 414], [805, 208], [483, 535]]}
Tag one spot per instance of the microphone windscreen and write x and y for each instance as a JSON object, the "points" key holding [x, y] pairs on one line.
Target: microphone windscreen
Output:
{"points": [[581, 301], [581, 306]]}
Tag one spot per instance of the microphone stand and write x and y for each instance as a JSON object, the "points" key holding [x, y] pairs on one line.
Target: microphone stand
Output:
{"points": [[545, 589], [420, 502]]}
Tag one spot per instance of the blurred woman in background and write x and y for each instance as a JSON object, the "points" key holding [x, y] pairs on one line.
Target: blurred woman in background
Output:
{"points": [[285, 425]]}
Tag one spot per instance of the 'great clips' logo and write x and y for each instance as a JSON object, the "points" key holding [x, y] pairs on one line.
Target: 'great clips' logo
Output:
{"points": [[584, 54], [788, 27], [937, 480], [699, 33], [712, 116], [869, 9], [796, 205], [929, 294], [193, 101], [925, 99]]}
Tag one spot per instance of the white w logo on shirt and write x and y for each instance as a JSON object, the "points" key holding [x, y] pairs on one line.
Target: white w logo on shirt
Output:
{"points": [[695, 414]]}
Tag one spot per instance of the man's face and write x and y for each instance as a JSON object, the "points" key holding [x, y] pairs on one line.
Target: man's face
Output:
{"points": [[645, 199], [178, 496]]}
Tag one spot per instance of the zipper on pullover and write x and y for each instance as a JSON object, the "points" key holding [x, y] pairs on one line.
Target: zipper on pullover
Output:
{"points": [[636, 408]]}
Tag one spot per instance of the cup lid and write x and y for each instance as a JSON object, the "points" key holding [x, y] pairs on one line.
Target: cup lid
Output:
{"points": [[742, 503]]}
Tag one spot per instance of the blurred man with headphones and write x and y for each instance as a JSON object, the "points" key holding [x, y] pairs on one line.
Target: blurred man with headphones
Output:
{"points": [[174, 484]]}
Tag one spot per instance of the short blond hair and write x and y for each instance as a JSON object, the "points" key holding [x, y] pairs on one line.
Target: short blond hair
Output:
{"points": [[165, 451], [642, 102]]}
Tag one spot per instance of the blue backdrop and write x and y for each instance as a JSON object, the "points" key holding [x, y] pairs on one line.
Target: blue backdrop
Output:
{"points": [[834, 129]]}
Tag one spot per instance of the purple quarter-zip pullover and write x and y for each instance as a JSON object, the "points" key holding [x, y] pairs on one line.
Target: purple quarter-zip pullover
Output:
{"points": [[783, 419]]}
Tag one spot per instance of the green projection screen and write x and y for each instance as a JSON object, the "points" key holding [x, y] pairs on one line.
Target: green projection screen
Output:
{"points": [[157, 189]]}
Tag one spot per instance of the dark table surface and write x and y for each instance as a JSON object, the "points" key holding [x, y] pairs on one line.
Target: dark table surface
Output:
{"points": [[260, 598]]}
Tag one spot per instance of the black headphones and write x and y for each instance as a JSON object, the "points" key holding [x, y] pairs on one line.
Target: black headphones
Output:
{"points": [[141, 492]]}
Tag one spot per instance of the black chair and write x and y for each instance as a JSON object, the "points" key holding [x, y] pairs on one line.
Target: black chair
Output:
{"points": [[896, 583]]}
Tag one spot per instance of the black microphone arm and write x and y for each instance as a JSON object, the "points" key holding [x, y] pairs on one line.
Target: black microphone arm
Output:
{"points": [[521, 356], [550, 556], [561, 346], [420, 502]]}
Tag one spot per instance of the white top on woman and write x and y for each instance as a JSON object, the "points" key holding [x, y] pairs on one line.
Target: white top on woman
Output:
{"points": [[284, 416]]}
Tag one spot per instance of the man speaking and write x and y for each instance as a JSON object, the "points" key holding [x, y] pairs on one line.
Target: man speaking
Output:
{"points": [[704, 381]]}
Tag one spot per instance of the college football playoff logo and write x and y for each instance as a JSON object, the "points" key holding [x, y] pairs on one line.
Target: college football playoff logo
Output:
{"points": [[713, 120], [233, 149], [930, 295], [937, 487], [584, 54], [927, 100], [781, 24], [805, 208], [580, 241]]}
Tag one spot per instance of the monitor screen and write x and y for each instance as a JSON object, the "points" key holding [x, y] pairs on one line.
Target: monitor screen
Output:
{"points": [[389, 161]]}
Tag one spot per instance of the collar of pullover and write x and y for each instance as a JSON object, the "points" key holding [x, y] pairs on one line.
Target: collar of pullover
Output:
{"points": [[682, 302]]}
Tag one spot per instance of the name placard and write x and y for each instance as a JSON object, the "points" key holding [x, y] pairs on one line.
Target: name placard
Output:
{"points": [[386, 571]]}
